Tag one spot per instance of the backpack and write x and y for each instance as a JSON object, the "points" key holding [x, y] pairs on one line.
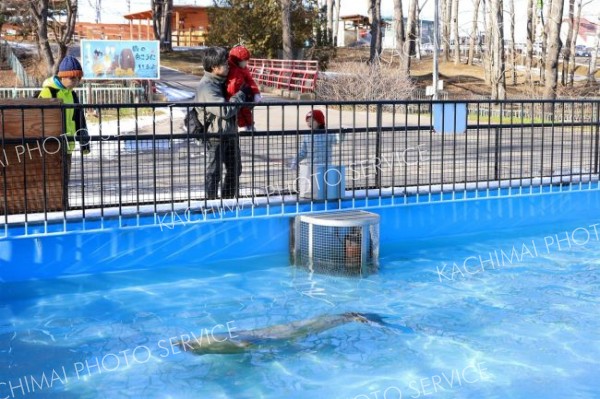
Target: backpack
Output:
{"points": [[193, 124]]}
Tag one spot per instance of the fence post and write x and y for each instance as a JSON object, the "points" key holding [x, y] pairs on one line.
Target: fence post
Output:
{"points": [[497, 154], [378, 147], [597, 138]]}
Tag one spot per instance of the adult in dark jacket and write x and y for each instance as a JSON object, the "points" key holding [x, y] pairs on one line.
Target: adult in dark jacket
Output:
{"points": [[220, 121]]}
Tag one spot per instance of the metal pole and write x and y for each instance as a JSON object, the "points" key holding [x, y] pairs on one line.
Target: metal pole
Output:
{"points": [[436, 21]]}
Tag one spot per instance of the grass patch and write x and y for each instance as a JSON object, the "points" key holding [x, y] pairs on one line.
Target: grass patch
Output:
{"points": [[189, 61], [495, 120]]}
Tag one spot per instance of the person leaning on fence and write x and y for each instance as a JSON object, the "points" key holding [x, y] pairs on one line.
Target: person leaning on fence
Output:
{"points": [[238, 77], [61, 86], [220, 121], [315, 152]]}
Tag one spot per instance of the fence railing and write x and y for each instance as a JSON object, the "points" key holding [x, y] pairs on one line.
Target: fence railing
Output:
{"points": [[87, 95], [294, 75], [143, 160], [18, 68]]}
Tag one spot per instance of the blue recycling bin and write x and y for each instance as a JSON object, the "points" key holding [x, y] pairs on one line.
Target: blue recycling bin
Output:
{"points": [[450, 117]]}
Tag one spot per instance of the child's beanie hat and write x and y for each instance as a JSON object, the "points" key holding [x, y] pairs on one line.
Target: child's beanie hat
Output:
{"points": [[70, 68]]}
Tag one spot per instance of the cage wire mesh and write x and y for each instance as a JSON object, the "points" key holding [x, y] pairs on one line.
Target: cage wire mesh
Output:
{"points": [[337, 243]]}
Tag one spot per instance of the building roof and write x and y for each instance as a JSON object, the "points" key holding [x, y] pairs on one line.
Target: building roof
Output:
{"points": [[148, 13]]}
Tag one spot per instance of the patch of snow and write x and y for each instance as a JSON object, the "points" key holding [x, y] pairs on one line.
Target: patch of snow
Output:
{"points": [[173, 94]]}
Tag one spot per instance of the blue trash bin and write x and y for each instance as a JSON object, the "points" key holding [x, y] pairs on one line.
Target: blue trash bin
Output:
{"points": [[450, 117]]}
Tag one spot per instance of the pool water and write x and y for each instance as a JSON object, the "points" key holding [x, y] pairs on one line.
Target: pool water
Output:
{"points": [[524, 328]]}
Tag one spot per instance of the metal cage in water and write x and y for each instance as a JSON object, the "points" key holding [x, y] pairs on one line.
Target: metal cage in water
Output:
{"points": [[337, 243]]}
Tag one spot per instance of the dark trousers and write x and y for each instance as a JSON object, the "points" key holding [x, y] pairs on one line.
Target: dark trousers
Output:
{"points": [[223, 151]]}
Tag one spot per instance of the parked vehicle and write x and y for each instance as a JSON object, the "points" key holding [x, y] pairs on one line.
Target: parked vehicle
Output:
{"points": [[582, 51]]}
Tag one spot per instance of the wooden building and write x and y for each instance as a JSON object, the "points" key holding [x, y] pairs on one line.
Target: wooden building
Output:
{"points": [[189, 24]]}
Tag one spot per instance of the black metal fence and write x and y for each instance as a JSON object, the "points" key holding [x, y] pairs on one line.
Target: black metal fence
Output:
{"points": [[143, 154]]}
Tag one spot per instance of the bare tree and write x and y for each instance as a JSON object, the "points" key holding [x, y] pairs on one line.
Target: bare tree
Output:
{"points": [[63, 32], [513, 52], [497, 40], [554, 45], [456, 35], [336, 22], [411, 35], [544, 7], [399, 25], [161, 23], [567, 48], [487, 44], [39, 11], [286, 26], [530, 38], [446, 15], [97, 6], [474, 32], [329, 22], [419, 32], [376, 39]]}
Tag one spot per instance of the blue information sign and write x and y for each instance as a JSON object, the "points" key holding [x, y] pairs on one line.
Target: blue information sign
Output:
{"points": [[120, 59]]}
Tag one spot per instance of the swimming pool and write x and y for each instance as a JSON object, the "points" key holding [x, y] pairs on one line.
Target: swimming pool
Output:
{"points": [[498, 310]]}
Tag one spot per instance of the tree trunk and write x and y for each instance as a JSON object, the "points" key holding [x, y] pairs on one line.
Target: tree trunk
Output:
{"points": [[399, 26], [530, 39], [336, 22], [498, 63], [375, 6], [157, 10], [486, 54], [63, 32], [567, 48], [542, 66], [474, 32], [161, 23], [553, 48], [572, 65], [446, 15], [39, 10], [419, 32], [411, 36], [286, 26], [513, 52], [456, 35], [329, 22]]}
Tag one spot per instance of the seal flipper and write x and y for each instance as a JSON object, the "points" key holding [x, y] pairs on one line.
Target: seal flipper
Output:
{"points": [[376, 320]]}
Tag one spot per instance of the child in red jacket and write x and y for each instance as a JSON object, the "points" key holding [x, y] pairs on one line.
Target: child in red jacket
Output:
{"points": [[239, 76]]}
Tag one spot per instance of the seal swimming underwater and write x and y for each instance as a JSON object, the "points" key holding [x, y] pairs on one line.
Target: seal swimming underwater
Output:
{"points": [[250, 339]]}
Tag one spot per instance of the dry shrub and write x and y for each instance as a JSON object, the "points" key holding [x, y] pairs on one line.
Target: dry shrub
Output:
{"points": [[578, 90], [352, 81], [323, 54]]}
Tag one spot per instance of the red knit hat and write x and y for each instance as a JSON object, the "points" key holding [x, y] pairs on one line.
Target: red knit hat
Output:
{"points": [[70, 68], [239, 53], [316, 115]]}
